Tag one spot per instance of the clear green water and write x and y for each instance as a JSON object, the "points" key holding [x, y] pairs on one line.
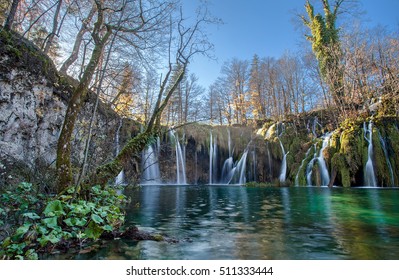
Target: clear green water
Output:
{"points": [[234, 222]]}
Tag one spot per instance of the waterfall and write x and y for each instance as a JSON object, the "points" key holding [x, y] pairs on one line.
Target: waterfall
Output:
{"points": [[389, 165], [212, 159], [229, 143], [314, 126], [324, 174], [150, 166], [241, 167], [228, 165], [227, 170], [301, 166], [269, 131], [237, 174], [269, 158], [369, 176], [283, 172], [309, 168], [180, 160], [120, 179]]}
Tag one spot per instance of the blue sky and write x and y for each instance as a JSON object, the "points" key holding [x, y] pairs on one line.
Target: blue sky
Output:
{"points": [[267, 28]]}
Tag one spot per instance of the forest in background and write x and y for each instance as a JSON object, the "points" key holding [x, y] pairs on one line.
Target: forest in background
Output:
{"points": [[135, 56], [257, 89]]}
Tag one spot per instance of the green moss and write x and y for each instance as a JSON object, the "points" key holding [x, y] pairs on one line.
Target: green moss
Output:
{"points": [[393, 149], [158, 237], [380, 164], [14, 51], [389, 105], [386, 128], [338, 163], [290, 163], [26, 55], [302, 180], [350, 149], [259, 184], [335, 144], [295, 145]]}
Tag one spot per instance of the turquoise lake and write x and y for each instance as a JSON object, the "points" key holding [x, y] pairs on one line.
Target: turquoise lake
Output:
{"points": [[235, 222]]}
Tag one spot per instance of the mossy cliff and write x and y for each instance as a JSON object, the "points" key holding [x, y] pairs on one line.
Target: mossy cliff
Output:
{"points": [[346, 154]]}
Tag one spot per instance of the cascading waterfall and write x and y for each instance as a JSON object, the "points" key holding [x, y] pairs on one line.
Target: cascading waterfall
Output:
{"points": [[301, 166], [309, 167], [180, 160], [369, 175], [150, 166], [314, 126], [324, 174], [269, 131], [283, 172], [237, 174], [228, 164], [269, 158], [120, 179], [212, 160], [389, 165], [241, 167]]}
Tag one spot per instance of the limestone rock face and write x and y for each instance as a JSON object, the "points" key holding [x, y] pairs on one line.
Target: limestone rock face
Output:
{"points": [[30, 117], [32, 109]]}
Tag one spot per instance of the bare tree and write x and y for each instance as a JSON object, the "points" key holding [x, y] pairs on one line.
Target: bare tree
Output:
{"points": [[63, 162], [53, 32], [11, 15], [190, 41], [78, 40]]}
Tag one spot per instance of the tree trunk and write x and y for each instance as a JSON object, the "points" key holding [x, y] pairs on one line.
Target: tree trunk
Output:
{"points": [[11, 15], [55, 27], [63, 162], [132, 150]]}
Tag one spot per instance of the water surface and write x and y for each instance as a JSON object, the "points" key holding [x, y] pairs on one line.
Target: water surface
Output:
{"points": [[235, 222]]}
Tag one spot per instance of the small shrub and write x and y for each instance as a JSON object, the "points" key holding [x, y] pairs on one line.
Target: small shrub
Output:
{"points": [[40, 225]]}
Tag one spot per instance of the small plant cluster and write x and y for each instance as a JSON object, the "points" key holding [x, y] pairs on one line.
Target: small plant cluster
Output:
{"points": [[40, 225]]}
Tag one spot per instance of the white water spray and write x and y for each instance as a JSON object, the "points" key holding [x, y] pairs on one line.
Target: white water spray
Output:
{"points": [[120, 179], [180, 160], [150, 166], [369, 175]]}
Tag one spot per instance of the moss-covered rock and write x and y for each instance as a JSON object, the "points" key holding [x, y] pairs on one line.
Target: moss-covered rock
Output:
{"points": [[339, 165]]}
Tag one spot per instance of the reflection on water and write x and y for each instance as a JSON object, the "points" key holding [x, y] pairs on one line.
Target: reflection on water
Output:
{"points": [[233, 222]]}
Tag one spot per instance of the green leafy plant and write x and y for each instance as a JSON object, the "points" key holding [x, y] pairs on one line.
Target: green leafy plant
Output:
{"points": [[43, 226]]}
